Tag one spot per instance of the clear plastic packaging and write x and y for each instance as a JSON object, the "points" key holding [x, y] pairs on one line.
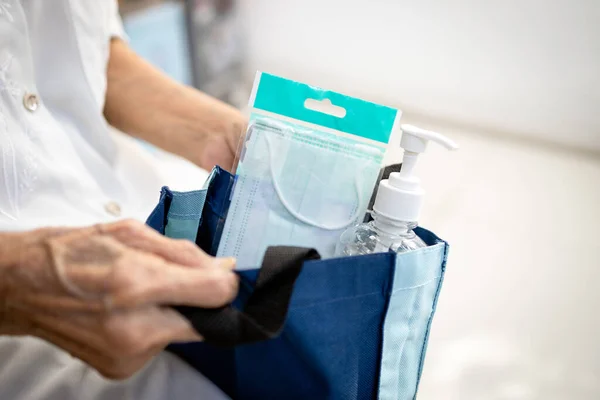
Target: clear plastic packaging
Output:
{"points": [[304, 174]]}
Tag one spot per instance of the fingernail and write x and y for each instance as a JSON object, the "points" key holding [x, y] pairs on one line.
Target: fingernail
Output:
{"points": [[226, 263]]}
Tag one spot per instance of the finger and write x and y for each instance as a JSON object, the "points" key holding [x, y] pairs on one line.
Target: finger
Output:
{"points": [[54, 302], [138, 236], [109, 367], [98, 272], [75, 348], [181, 329], [159, 282], [127, 334], [135, 274]]}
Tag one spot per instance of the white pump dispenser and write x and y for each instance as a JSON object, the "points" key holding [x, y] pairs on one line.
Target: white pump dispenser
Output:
{"points": [[400, 196], [397, 205]]}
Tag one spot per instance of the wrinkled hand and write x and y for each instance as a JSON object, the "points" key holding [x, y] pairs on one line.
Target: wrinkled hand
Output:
{"points": [[101, 293]]}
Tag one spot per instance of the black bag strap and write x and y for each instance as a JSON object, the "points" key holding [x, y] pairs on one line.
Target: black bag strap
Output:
{"points": [[265, 312]]}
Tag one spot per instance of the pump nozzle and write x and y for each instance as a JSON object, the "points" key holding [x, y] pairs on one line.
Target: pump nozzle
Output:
{"points": [[415, 139], [399, 197]]}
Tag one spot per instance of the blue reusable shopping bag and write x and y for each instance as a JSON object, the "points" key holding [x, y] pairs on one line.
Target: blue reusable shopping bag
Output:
{"points": [[356, 327]]}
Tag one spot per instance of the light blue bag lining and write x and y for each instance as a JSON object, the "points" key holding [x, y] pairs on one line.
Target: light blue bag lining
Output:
{"points": [[184, 214], [417, 281]]}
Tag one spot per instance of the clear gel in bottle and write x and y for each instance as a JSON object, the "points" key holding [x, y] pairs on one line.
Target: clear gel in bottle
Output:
{"points": [[397, 205], [379, 235]]}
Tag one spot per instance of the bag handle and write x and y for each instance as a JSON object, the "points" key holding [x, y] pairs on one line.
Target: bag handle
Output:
{"points": [[265, 312]]}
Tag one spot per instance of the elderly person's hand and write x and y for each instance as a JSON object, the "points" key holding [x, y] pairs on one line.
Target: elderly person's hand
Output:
{"points": [[102, 293]]}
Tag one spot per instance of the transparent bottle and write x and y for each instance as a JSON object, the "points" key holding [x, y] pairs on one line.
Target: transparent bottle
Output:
{"points": [[398, 201], [378, 236]]}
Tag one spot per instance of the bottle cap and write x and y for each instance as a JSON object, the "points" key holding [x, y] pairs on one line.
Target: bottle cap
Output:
{"points": [[400, 197]]}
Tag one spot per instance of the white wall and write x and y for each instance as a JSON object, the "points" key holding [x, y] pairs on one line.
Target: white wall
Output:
{"points": [[524, 67]]}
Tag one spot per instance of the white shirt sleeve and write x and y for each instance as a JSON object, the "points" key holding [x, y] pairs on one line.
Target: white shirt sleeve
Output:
{"points": [[115, 23]]}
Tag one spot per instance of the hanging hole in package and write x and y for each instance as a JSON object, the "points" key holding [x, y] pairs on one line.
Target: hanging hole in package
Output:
{"points": [[306, 168]]}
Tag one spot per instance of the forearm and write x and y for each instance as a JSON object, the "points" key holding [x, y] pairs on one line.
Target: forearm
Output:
{"points": [[145, 103]]}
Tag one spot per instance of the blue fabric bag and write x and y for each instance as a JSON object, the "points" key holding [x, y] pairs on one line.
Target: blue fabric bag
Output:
{"points": [[356, 328]]}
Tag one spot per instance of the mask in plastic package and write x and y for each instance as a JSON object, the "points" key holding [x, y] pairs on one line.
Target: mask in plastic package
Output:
{"points": [[296, 187], [305, 170]]}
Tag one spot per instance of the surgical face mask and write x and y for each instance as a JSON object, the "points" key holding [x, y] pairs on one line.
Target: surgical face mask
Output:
{"points": [[296, 187], [306, 170]]}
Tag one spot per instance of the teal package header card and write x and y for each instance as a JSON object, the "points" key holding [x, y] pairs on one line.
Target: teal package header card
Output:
{"points": [[362, 118]]}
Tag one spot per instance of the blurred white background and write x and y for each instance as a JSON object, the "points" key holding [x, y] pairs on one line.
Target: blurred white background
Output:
{"points": [[520, 67], [517, 84]]}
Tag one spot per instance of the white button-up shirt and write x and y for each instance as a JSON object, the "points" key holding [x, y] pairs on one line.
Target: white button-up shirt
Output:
{"points": [[61, 165]]}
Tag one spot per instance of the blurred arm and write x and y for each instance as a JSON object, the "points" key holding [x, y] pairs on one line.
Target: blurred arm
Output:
{"points": [[145, 103]]}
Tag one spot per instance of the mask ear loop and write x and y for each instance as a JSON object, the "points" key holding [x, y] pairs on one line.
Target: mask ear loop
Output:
{"points": [[299, 216]]}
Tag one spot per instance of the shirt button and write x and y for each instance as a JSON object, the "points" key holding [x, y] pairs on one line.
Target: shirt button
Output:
{"points": [[31, 101], [113, 208]]}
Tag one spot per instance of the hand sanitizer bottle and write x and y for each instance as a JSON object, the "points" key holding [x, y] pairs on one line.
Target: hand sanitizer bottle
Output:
{"points": [[397, 205]]}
